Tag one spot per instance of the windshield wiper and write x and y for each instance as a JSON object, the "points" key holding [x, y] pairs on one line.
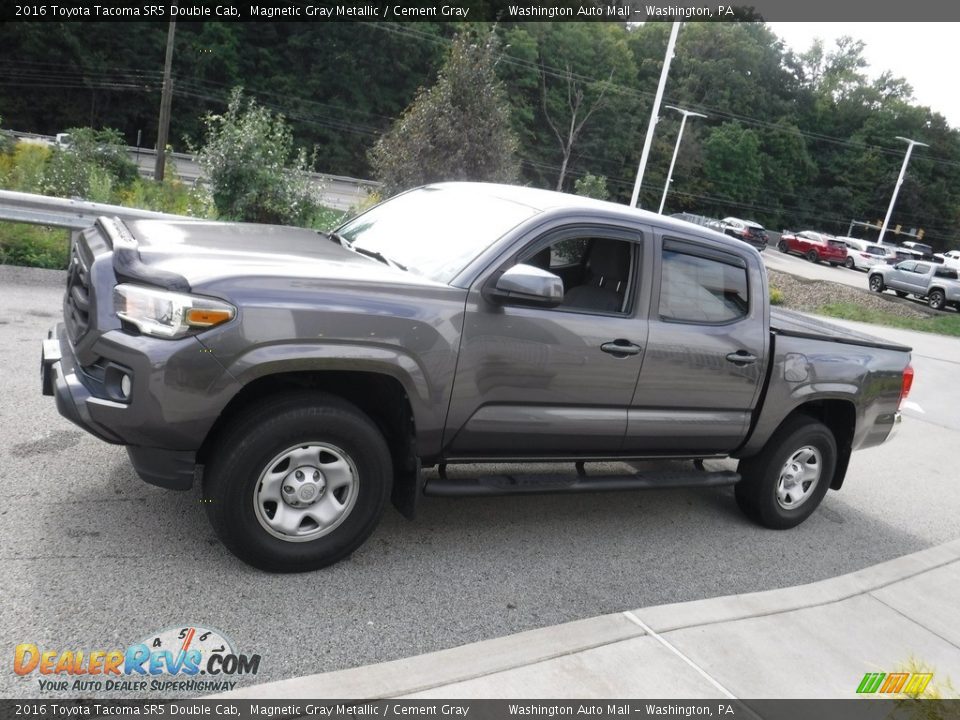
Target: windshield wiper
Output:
{"points": [[378, 256]]}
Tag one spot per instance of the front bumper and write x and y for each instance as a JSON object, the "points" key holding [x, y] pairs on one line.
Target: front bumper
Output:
{"points": [[178, 393], [58, 377]]}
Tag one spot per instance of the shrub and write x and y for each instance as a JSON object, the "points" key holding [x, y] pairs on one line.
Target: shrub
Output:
{"points": [[94, 163], [25, 168], [592, 186], [33, 246], [776, 296], [253, 171]]}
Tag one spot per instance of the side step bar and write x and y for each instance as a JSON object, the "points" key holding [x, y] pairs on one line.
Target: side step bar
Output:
{"points": [[531, 484]]}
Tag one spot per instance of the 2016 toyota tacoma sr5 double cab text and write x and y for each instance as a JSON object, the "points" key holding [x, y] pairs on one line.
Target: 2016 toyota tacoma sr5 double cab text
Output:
{"points": [[307, 379]]}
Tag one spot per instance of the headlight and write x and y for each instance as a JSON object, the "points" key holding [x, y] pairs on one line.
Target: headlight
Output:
{"points": [[168, 314]]}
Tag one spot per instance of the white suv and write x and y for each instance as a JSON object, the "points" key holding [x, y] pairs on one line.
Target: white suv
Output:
{"points": [[863, 254]]}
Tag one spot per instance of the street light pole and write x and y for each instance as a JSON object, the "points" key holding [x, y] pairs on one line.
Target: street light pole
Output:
{"points": [[654, 113], [896, 190], [676, 149]]}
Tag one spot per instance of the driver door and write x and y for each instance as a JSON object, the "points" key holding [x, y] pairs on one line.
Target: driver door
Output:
{"points": [[535, 381]]}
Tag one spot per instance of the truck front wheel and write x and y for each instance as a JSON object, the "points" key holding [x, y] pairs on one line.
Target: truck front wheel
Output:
{"points": [[782, 485], [297, 482]]}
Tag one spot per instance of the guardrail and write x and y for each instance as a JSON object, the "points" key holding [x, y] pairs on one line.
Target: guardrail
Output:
{"points": [[65, 213]]}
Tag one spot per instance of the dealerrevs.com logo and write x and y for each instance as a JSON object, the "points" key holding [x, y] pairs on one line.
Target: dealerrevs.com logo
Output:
{"points": [[179, 659]]}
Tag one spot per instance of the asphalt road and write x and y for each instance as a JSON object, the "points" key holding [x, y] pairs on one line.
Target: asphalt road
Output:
{"points": [[91, 557]]}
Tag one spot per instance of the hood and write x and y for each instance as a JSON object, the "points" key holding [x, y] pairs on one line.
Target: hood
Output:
{"points": [[190, 254], [794, 324]]}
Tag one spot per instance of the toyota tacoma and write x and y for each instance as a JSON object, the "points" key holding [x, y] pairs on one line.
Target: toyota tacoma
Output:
{"points": [[305, 379]]}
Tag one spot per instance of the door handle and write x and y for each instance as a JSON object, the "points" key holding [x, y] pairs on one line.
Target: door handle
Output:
{"points": [[621, 348], [741, 357]]}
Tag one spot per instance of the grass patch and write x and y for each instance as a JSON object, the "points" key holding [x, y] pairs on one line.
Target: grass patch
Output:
{"points": [[34, 246], [946, 323]]}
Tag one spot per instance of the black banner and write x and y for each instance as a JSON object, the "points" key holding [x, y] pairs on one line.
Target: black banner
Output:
{"points": [[855, 709], [479, 10]]}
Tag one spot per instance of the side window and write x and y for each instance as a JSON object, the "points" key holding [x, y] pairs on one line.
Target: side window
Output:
{"points": [[701, 290], [922, 268], [596, 271]]}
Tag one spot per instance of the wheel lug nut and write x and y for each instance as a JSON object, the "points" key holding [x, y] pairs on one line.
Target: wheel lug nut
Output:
{"points": [[316, 475], [288, 489], [299, 475]]}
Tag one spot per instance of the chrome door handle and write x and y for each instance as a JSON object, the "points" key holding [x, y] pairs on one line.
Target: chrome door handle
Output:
{"points": [[621, 348], [741, 357]]}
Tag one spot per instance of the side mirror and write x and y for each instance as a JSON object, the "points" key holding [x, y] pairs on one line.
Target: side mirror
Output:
{"points": [[529, 284]]}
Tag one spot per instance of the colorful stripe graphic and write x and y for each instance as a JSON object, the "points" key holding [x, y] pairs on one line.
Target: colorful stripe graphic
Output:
{"points": [[892, 683]]}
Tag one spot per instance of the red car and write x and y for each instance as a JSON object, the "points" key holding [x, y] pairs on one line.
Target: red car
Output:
{"points": [[814, 246]]}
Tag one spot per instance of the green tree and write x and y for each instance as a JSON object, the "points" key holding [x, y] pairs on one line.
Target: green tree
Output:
{"points": [[458, 129], [254, 172], [732, 162]]}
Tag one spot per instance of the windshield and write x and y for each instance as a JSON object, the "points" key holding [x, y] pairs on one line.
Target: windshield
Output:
{"points": [[434, 232]]}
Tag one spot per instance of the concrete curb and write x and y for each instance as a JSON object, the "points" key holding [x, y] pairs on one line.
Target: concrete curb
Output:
{"points": [[424, 672]]}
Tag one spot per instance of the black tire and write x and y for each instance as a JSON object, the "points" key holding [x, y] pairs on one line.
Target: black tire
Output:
{"points": [[783, 247], [252, 443], [876, 283], [849, 264], [756, 493], [812, 256], [900, 293], [937, 300]]}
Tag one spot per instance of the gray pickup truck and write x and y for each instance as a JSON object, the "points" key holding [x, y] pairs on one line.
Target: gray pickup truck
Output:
{"points": [[306, 379], [935, 283]]}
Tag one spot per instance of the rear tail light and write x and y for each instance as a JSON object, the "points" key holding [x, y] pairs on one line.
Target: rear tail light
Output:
{"points": [[905, 384], [866, 255]]}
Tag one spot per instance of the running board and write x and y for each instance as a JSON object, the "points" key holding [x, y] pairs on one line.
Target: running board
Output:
{"points": [[531, 484]]}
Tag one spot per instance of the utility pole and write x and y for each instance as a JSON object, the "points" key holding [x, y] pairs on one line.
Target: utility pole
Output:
{"points": [[654, 113], [896, 189], [166, 100], [676, 149]]}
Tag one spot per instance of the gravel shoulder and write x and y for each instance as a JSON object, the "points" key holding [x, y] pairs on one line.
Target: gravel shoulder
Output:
{"points": [[809, 295]]}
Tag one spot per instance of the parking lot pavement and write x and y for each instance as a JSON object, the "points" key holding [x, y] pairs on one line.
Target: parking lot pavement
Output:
{"points": [[92, 557], [795, 265]]}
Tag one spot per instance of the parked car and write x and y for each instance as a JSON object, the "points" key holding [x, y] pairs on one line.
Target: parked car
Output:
{"points": [[746, 230], [926, 251], [306, 379], [951, 259], [936, 284], [814, 246], [863, 254]]}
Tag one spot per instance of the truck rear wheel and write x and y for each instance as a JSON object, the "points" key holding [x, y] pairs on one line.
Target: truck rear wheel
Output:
{"points": [[937, 300], [785, 482], [297, 483]]}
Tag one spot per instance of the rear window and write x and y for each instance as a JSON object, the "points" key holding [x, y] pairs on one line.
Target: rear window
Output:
{"points": [[948, 273], [875, 250], [837, 243]]}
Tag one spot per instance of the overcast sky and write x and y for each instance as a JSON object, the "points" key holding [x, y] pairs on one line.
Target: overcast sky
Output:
{"points": [[927, 55]]}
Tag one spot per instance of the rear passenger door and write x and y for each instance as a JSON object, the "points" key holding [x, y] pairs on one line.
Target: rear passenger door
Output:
{"points": [[706, 350]]}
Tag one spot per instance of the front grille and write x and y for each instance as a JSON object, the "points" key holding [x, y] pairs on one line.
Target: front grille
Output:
{"points": [[76, 303]]}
